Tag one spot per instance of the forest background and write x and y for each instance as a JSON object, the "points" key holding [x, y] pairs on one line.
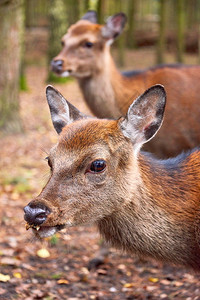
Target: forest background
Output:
{"points": [[157, 31]]}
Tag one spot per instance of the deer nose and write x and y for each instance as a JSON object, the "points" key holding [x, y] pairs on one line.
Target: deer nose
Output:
{"points": [[57, 65], [36, 214]]}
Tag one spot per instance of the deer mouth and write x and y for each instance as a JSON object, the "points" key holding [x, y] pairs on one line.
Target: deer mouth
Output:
{"points": [[44, 231], [65, 73]]}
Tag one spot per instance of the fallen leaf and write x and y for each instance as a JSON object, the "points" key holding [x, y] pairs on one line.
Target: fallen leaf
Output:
{"points": [[165, 282], [44, 253], [17, 275], [113, 289], [128, 285], [153, 279], [102, 272], [151, 288], [177, 283], [4, 278], [10, 261], [63, 281]]}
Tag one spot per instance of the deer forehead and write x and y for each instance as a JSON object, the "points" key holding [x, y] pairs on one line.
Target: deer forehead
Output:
{"points": [[83, 26], [84, 141], [85, 134], [82, 31]]}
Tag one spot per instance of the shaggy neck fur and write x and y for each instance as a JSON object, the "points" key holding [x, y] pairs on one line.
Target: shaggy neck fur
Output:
{"points": [[159, 221], [107, 92]]}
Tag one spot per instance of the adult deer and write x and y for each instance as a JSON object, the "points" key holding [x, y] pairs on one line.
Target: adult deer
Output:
{"points": [[99, 175], [86, 56]]}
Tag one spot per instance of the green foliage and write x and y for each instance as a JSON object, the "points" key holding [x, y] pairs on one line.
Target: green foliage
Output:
{"points": [[20, 183], [56, 276], [55, 79], [23, 83], [41, 275], [54, 240]]}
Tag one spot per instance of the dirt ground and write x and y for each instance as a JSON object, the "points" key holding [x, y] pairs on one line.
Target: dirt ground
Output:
{"points": [[56, 268]]}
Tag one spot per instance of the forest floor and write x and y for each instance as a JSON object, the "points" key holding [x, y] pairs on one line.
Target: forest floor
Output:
{"points": [[56, 268]]}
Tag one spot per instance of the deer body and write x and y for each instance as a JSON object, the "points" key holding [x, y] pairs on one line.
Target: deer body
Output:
{"points": [[99, 175], [86, 56], [108, 100], [157, 217]]}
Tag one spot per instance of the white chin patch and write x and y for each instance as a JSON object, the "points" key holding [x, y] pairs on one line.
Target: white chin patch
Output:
{"points": [[46, 231], [65, 74]]}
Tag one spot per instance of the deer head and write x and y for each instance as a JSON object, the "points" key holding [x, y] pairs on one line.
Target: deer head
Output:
{"points": [[94, 165], [85, 45]]}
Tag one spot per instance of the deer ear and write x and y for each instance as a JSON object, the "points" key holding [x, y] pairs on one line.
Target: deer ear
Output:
{"points": [[144, 116], [90, 16], [114, 26], [62, 112]]}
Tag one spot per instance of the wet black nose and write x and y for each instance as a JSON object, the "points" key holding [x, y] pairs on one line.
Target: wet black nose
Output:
{"points": [[36, 214], [57, 65]]}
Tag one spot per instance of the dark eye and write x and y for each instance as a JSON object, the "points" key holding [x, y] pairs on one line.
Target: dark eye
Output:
{"points": [[97, 166], [49, 162], [88, 44], [62, 44]]}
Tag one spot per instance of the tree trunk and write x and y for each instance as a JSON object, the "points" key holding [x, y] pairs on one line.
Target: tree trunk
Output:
{"points": [[23, 81], [198, 19], [121, 39], [11, 23], [86, 5], [101, 11], [180, 29], [73, 11], [131, 24], [161, 45], [57, 28]]}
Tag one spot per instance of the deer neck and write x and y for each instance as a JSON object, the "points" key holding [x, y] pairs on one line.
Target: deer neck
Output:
{"points": [[153, 224], [105, 90]]}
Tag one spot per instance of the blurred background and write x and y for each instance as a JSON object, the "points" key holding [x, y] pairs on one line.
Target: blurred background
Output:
{"points": [[169, 30], [157, 31]]}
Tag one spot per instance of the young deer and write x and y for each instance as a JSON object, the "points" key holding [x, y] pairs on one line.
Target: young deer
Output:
{"points": [[108, 93], [99, 175]]}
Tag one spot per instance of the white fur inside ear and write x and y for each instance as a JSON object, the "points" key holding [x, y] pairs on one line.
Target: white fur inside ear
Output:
{"points": [[65, 74], [129, 131]]}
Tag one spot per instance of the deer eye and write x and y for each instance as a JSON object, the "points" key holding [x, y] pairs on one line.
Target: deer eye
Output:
{"points": [[62, 43], [49, 162], [97, 166], [88, 44]]}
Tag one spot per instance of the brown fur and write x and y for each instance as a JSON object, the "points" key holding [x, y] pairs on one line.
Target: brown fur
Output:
{"points": [[109, 94], [140, 204], [160, 220]]}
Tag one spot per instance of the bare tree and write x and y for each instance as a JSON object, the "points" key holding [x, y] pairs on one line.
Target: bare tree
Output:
{"points": [[180, 29], [11, 24], [131, 23], [101, 10], [58, 27], [161, 45]]}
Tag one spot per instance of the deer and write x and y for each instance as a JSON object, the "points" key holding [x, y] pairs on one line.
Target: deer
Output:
{"points": [[86, 56], [99, 175]]}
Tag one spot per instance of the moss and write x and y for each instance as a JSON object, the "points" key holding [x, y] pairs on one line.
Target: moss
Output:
{"points": [[23, 83], [53, 78]]}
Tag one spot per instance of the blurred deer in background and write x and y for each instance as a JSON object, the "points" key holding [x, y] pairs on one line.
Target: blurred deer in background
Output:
{"points": [[86, 56], [99, 176]]}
